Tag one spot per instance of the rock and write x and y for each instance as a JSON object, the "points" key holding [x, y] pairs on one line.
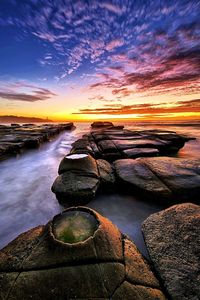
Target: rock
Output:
{"points": [[107, 177], [137, 292], [15, 138], [81, 163], [172, 237], [114, 142], [138, 177], [72, 188], [77, 255], [78, 181], [101, 124], [161, 178], [140, 152]]}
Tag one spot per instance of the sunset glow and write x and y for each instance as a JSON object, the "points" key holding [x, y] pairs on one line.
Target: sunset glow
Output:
{"points": [[87, 60]]}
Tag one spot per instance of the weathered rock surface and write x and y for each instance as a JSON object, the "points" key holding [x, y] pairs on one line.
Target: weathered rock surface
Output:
{"points": [[73, 188], [39, 265], [172, 237], [114, 142], [106, 173], [16, 138], [161, 178], [80, 176]]}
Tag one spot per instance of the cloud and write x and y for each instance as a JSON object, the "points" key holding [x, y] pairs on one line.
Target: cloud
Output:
{"points": [[84, 36], [190, 106], [114, 44], [111, 7], [174, 72], [13, 92]]}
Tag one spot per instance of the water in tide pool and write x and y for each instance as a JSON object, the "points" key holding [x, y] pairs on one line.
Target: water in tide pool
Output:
{"points": [[26, 199]]}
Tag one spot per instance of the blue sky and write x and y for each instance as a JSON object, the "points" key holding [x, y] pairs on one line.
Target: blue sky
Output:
{"points": [[93, 56]]}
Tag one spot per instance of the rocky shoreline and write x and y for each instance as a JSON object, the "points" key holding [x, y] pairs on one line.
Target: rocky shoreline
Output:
{"points": [[114, 158], [82, 255], [17, 138]]}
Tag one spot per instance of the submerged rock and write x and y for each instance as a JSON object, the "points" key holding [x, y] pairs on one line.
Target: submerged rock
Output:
{"points": [[172, 237], [77, 255], [161, 178]]}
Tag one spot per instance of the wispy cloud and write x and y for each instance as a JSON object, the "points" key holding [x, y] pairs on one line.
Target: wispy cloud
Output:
{"points": [[12, 91], [146, 108]]}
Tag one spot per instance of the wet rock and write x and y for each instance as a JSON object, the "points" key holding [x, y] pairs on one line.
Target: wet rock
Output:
{"points": [[101, 124], [79, 179], [80, 163], [106, 173], [161, 178], [72, 188], [140, 152], [114, 142], [15, 138], [137, 292], [172, 237], [79, 254]]}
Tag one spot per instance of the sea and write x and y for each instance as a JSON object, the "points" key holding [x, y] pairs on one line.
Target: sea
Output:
{"points": [[26, 199]]}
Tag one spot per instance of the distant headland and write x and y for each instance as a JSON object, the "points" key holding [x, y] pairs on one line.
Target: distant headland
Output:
{"points": [[20, 119]]}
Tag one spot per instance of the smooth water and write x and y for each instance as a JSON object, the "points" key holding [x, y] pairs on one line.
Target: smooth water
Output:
{"points": [[26, 199]]}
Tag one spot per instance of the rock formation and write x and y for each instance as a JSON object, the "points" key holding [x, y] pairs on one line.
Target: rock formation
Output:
{"points": [[172, 237], [77, 255], [16, 138], [114, 143], [161, 178], [80, 176]]}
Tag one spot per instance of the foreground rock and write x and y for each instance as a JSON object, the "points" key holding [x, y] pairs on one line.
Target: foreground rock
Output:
{"points": [[172, 237], [161, 178], [77, 255], [16, 138], [80, 177], [114, 142]]}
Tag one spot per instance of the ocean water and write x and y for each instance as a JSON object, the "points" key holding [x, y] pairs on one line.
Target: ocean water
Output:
{"points": [[26, 199]]}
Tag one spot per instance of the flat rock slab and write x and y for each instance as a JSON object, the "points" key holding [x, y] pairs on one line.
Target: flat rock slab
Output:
{"points": [[161, 178], [16, 138], [115, 142], [172, 237], [38, 265]]}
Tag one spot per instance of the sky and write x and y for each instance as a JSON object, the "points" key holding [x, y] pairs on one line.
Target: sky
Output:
{"points": [[87, 59]]}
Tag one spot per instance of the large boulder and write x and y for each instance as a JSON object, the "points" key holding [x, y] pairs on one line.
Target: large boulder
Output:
{"points": [[172, 237], [72, 188], [80, 177], [77, 255], [81, 163], [161, 178]]}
